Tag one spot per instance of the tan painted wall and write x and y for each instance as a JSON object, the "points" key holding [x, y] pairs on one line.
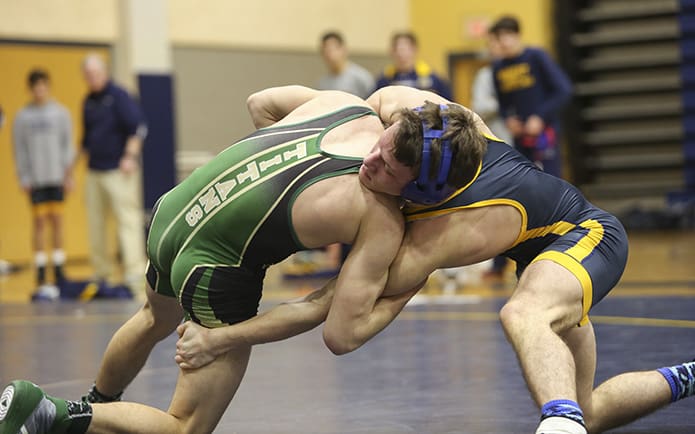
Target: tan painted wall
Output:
{"points": [[274, 24], [280, 24], [69, 20]]}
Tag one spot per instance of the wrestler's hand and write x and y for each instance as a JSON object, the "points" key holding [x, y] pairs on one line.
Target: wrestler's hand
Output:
{"points": [[194, 349]]}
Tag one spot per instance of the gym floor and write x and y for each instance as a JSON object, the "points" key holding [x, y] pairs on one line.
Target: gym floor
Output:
{"points": [[443, 366]]}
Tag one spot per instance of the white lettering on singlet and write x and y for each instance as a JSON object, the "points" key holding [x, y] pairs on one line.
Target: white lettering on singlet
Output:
{"points": [[209, 201], [223, 188], [265, 165], [253, 171]]}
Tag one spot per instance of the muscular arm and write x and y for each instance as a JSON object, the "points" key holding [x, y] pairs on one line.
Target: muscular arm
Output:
{"points": [[350, 304], [388, 101], [199, 346], [270, 105], [355, 316]]}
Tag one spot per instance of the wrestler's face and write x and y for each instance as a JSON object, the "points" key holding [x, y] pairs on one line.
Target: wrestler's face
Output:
{"points": [[381, 171]]}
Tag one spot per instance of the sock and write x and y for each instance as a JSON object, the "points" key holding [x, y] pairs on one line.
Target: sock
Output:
{"points": [[71, 417], [563, 408], [58, 257], [681, 378], [94, 396], [40, 260], [58, 261]]}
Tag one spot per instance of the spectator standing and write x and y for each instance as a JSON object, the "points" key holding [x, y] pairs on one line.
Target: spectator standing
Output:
{"points": [[44, 155], [485, 104], [343, 74], [407, 70], [114, 130], [532, 90], [484, 96]]}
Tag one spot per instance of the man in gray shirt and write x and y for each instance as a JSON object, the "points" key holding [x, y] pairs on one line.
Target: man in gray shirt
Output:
{"points": [[343, 74], [44, 155]]}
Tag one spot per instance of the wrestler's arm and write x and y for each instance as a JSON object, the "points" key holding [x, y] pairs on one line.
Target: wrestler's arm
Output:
{"points": [[388, 101], [197, 346], [413, 264], [356, 314], [271, 105]]}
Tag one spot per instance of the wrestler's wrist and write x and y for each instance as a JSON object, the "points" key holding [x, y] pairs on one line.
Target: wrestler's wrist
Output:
{"points": [[225, 339]]}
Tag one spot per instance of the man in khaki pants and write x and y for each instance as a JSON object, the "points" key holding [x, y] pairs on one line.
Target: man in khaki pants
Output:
{"points": [[114, 130]]}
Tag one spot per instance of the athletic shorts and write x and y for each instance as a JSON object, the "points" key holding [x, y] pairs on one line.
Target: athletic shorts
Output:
{"points": [[46, 200], [47, 194], [595, 251], [213, 296]]}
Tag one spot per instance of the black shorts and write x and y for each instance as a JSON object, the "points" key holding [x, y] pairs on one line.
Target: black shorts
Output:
{"points": [[47, 194], [213, 296]]}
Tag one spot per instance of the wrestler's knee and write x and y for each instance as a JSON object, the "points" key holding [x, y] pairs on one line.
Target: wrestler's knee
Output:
{"points": [[524, 312], [514, 315]]}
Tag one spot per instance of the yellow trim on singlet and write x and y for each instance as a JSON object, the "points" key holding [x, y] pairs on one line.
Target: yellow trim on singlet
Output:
{"points": [[414, 207], [440, 212], [576, 268], [557, 228], [589, 241], [572, 260], [491, 137]]}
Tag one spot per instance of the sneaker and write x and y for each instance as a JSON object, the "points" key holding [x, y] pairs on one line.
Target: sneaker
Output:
{"points": [[24, 408], [46, 293]]}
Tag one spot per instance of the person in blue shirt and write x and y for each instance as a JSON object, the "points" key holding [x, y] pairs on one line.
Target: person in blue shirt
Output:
{"points": [[532, 90], [114, 130], [407, 70]]}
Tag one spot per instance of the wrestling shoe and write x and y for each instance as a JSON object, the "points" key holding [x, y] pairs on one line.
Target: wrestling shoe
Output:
{"points": [[560, 425], [24, 408]]}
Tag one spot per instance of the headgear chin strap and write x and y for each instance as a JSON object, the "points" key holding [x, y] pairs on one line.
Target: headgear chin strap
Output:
{"points": [[423, 189]]}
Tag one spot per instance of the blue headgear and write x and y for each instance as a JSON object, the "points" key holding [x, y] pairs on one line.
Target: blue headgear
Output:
{"points": [[423, 189]]}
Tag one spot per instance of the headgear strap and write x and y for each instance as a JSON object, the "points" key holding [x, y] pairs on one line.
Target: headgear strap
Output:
{"points": [[425, 190]]}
